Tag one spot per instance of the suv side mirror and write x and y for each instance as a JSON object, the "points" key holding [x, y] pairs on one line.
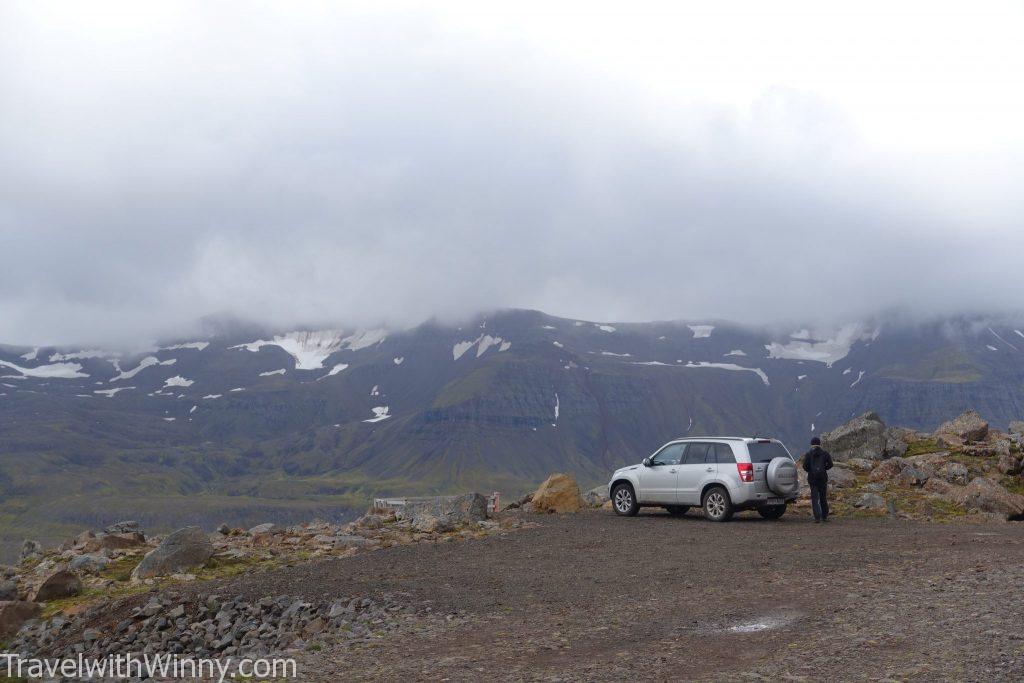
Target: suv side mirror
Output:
{"points": [[647, 462]]}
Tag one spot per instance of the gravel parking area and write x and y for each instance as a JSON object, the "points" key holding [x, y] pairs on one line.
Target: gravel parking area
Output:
{"points": [[592, 596]]}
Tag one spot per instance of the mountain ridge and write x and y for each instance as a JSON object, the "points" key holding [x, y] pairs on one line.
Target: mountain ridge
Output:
{"points": [[211, 427]]}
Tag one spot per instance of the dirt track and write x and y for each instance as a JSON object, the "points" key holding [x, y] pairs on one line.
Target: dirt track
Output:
{"points": [[594, 597]]}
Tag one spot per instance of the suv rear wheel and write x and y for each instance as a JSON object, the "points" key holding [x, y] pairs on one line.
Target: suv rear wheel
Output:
{"points": [[717, 506], [772, 511], [677, 510], [624, 500]]}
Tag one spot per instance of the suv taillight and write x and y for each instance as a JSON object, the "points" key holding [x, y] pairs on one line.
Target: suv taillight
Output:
{"points": [[746, 471]]}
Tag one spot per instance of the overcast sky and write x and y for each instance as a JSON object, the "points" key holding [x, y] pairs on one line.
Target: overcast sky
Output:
{"points": [[386, 162]]}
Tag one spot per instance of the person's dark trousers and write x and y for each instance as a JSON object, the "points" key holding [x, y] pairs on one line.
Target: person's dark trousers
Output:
{"points": [[819, 498]]}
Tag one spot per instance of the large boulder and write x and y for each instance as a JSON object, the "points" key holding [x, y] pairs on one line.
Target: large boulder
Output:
{"points": [[13, 614], [897, 441], [60, 584], [116, 541], [914, 476], [558, 493], [441, 513], [988, 496], [184, 549], [965, 428], [861, 437], [1017, 427]]}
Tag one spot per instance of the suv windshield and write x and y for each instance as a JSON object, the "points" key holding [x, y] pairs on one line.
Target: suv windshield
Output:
{"points": [[761, 451]]}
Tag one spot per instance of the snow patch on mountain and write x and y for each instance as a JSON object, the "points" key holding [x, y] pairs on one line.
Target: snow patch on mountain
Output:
{"points": [[860, 376], [990, 347], [80, 355], [31, 355], [333, 371], [379, 413], [178, 381], [604, 328], [210, 397], [483, 342], [737, 352], [147, 362], [399, 360], [617, 355], [558, 344], [701, 331], [198, 346], [731, 366], [109, 393], [311, 349], [271, 373], [556, 406], [52, 371], [802, 346]]}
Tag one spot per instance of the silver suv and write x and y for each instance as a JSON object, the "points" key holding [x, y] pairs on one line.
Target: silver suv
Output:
{"points": [[722, 474]]}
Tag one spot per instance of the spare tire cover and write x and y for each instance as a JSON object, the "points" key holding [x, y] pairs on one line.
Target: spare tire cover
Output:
{"points": [[782, 476]]}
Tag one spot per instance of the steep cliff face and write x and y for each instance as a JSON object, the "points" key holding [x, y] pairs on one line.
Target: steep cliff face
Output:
{"points": [[333, 416]]}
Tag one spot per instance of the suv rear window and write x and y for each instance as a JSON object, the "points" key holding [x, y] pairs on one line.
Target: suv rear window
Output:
{"points": [[766, 451]]}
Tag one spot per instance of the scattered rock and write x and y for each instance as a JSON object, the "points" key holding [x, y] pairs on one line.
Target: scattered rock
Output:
{"points": [[896, 440], [262, 529], [558, 493], [965, 428], [871, 501], [988, 496], [114, 541], [861, 464], [91, 564], [224, 530], [861, 437], [60, 584], [841, 478], [13, 614], [1017, 427], [184, 549], [30, 549], [596, 497], [522, 502], [8, 591], [955, 473], [1009, 464], [127, 527], [939, 486], [914, 476], [888, 469]]}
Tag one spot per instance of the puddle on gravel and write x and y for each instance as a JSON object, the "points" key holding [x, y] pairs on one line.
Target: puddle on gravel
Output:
{"points": [[751, 625]]}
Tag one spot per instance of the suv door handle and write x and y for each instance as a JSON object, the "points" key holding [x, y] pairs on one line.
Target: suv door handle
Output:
{"points": [[710, 469]]}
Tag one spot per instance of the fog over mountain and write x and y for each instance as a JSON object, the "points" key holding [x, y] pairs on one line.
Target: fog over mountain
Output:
{"points": [[382, 164]]}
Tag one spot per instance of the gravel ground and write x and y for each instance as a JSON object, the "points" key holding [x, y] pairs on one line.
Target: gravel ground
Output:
{"points": [[593, 596]]}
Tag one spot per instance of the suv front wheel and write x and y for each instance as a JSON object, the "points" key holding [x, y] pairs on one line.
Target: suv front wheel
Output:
{"points": [[717, 506], [624, 500]]}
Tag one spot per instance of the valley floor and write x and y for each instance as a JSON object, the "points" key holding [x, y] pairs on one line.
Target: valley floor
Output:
{"points": [[592, 596]]}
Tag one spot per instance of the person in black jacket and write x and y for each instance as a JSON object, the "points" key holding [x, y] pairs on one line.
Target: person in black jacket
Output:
{"points": [[817, 463]]}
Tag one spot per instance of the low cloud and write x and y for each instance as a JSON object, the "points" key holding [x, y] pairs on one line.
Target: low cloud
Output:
{"points": [[376, 167]]}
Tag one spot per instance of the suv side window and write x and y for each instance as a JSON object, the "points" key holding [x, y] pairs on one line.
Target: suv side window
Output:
{"points": [[697, 453], [723, 454], [669, 455]]}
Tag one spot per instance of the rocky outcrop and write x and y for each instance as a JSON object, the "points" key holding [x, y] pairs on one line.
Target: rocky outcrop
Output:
{"points": [[965, 428], [59, 584], [182, 550], [861, 437], [558, 493], [1009, 464], [13, 614], [955, 473]]}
